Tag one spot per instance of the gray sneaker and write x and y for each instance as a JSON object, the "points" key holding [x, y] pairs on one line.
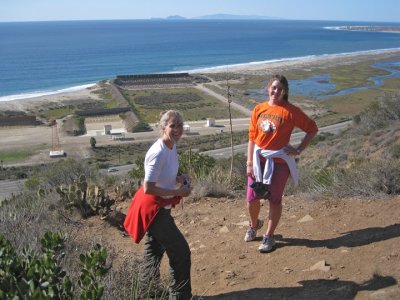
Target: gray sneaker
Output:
{"points": [[267, 244], [251, 233]]}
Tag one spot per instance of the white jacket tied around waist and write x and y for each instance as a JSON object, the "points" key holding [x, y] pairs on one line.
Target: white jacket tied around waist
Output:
{"points": [[269, 156]]}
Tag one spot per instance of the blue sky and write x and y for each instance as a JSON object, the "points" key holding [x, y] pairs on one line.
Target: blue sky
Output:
{"points": [[344, 10]]}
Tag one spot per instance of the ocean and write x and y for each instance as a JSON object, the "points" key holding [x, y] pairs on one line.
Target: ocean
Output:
{"points": [[40, 58]]}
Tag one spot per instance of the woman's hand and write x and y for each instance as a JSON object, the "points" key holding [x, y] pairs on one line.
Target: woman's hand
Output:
{"points": [[249, 171], [290, 150], [184, 191]]}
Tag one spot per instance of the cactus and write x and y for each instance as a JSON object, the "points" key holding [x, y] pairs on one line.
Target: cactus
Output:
{"points": [[89, 200]]}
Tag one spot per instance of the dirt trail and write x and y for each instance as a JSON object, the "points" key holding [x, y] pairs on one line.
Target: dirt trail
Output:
{"points": [[217, 96], [326, 249]]}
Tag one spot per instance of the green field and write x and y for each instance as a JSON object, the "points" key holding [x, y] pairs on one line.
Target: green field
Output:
{"points": [[193, 104]]}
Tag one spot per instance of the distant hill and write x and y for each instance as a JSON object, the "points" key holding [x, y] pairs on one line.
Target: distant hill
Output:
{"points": [[235, 17], [175, 18], [220, 17]]}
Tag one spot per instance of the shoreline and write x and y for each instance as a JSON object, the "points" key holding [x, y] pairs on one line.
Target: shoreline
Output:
{"points": [[259, 68], [256, 68], [32, 103]]}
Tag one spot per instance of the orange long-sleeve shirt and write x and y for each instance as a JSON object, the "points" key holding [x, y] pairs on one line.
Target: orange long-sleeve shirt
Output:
{"points": [[271, 126]]}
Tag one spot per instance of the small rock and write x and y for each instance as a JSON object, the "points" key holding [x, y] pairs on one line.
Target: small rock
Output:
{"points": [[287, 270], [306, 218], [321, 265], [224, 229]]}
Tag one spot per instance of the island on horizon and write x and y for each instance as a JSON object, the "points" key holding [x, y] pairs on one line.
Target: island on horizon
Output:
{"points": [[371, 28]]}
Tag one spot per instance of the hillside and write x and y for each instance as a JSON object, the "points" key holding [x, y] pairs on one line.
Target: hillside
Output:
{"points": [[327, 249]]}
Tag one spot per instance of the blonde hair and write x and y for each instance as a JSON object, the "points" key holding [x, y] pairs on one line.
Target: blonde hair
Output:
{"points": [[167, 115]]}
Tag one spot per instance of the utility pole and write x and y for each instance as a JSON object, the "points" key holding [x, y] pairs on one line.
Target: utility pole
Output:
{"points": [[230, 123]]}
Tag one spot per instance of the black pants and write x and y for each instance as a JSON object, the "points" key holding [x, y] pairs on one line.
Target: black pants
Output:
{"points": [[164, 236]]}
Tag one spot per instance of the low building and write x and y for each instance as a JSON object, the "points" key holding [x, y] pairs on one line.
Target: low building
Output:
{"points": [[210, 122], [117, 134], [57, 153]]}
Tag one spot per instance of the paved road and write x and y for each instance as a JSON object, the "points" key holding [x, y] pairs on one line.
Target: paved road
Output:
{"points": [[9, 187], [295, 139]]}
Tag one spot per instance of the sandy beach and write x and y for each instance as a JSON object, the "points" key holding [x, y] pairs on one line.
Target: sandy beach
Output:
{"points": [[283, 66], [263, 68], [32, 103]]}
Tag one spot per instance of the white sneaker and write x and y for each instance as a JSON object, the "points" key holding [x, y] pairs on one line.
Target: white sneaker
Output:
{"points": [[251, 233], [267, 244]]}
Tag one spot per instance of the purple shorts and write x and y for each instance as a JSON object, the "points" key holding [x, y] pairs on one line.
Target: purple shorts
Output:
{"points": [[278, 183]]}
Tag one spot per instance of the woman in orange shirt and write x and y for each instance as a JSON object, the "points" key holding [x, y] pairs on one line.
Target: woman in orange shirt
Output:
{"points": [[271, 126]]}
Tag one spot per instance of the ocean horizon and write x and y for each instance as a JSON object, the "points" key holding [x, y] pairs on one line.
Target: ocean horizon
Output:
{"points": [[44, 58]]}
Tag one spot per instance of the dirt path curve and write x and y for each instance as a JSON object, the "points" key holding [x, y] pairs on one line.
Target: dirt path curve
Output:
{"points": [[238, 107]]}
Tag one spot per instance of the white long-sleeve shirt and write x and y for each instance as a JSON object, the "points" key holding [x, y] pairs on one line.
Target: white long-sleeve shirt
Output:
{"points": [[269, 156]]}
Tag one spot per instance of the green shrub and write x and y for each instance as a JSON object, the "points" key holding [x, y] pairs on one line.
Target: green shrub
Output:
{"points": [[93, 267], [33, 276]]}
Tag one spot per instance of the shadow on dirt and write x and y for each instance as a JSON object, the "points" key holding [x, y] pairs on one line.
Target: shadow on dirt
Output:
{"points": [[354, 238], [311, 289]]}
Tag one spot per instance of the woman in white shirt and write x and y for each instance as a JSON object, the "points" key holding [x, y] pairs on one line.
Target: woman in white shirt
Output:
{"points": [[161, 170]]}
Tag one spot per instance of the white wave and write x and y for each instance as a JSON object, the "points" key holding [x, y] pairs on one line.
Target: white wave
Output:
{"points": [[46, 93], [298, 58]]}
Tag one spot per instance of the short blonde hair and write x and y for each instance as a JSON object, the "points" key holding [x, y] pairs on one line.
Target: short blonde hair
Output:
{"points": [[167, 115]]}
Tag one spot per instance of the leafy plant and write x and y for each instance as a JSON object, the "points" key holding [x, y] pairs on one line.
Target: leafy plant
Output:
{"points": [[93, 266], [93, 142], [34, 277]]}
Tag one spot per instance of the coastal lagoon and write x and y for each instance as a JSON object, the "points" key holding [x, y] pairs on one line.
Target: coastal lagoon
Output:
{"points": [[320, 87]]}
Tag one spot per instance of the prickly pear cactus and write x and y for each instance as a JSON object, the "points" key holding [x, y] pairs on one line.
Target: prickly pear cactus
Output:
{"points": [[88, 199]]}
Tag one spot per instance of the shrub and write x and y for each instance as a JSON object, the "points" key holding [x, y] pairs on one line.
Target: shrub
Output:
{"points": [[33, 276], [377, 114], [369, 178]]}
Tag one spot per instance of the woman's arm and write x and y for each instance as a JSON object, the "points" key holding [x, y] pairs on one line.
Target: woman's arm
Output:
{"points": [[249, 163], [303, 145], [151, 188]]}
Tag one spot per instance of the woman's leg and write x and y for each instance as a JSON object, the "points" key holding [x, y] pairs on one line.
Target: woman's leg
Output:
{"points": [[254, 211], [278, 182], [171, 239], [275, 213], [149, 275]]}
